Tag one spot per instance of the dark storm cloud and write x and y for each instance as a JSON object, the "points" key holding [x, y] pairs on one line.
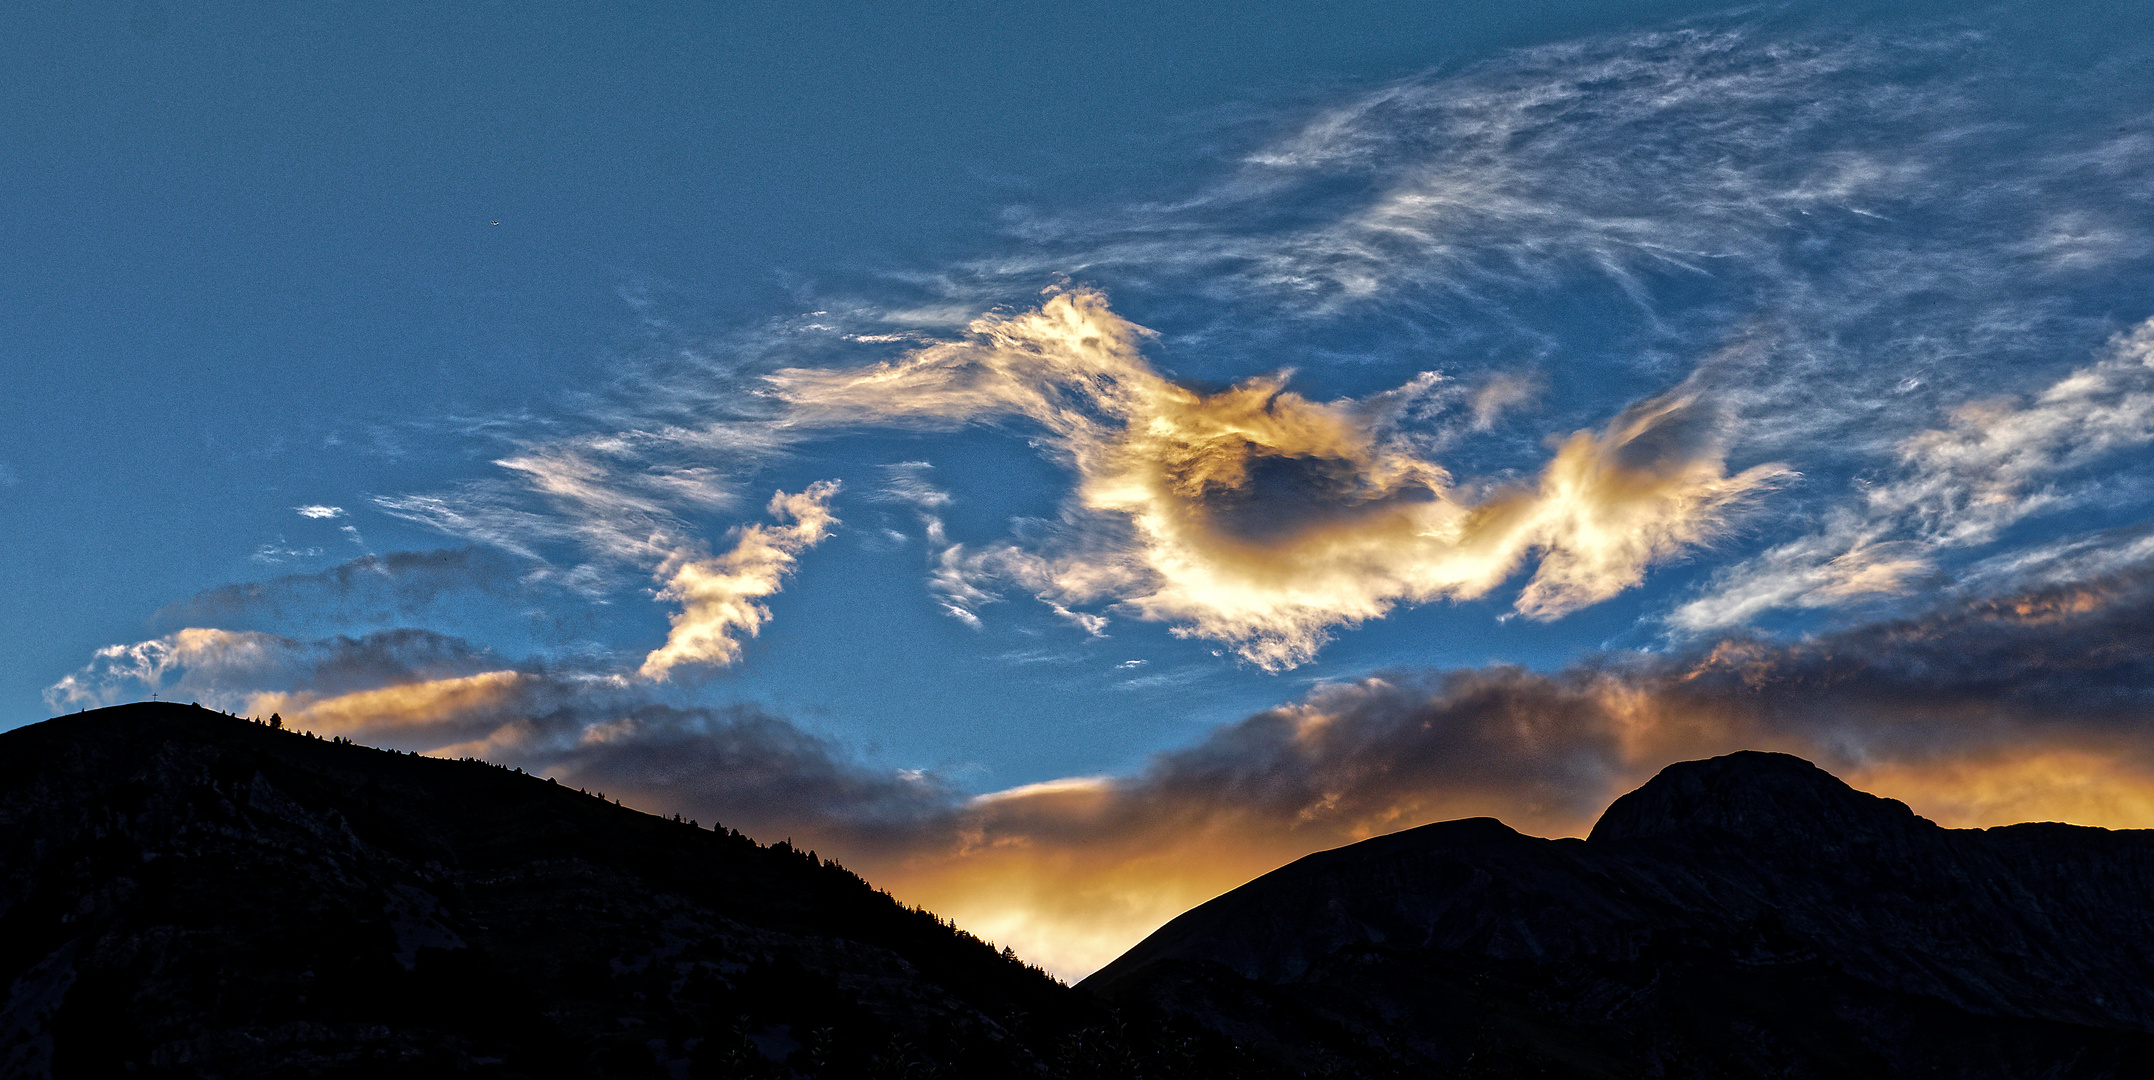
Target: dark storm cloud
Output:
{"points": [[746, 768]]}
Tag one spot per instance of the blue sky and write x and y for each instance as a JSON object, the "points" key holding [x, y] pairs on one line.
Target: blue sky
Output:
{"points": [[992, 438]]}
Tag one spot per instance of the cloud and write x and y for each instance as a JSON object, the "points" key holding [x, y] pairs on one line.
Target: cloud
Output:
{"points": [[1625, 157], [414, 690], [1608, 208], [1777, 195], [2032, 703], [369, 587], [281, 552], [225, 667], [1500, 394], [2028, 706], [907, 482], [467, 706], [624, 515], [719, 595], [751, 770], [1260, 518], [1790, 205], [1996, 462], [614, 496], [480, 513], [1780, 194], [319, 511]]}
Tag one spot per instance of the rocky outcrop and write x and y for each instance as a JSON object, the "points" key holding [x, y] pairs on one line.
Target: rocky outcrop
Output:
{"points": [[1746, 916]]}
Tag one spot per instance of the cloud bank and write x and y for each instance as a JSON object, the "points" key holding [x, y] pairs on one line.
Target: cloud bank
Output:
{"points": [[2028, 704]]}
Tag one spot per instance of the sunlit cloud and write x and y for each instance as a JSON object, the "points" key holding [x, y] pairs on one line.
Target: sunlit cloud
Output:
{"points": [[2022, 707], [227, 667], [1797, 187], [1257, 517], [1501, 394], [430, 706], [721, 595], [1738, 178], [319, 511]]}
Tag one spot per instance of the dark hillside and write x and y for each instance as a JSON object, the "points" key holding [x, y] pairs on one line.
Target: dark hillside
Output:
{"points": [[1747, 916], [184, 893]]}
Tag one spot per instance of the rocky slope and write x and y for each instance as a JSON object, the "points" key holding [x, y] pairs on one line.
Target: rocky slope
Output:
{"points": [[1747, 916], [184, 893]]}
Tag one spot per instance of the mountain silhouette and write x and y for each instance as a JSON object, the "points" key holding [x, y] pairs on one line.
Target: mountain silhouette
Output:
{"points": [[1744, 916], [189, 894]]}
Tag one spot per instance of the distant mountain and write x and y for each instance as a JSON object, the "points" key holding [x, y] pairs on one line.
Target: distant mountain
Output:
{"points": [[1746, 916], [184, 893]]}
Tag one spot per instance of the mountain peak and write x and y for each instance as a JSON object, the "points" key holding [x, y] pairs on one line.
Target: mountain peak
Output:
{"points": [[1752, 794], [1777, 923]]}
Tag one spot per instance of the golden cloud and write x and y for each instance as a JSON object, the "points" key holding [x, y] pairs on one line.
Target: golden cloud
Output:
{"points": [[719, 594], [426, 709], [1257, 517]]}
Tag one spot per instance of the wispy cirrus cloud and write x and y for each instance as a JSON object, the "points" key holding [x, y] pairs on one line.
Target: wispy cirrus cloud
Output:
{"points": [[1778, 199], [1997, 462], [1250, 515], [282, 551], [907, 483], [1789, 196]]}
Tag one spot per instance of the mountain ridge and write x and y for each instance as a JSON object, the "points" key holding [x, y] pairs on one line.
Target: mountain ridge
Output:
{"points": [[184, 893], [1714, 879]]}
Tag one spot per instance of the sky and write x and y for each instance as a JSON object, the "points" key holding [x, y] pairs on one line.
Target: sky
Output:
{"points": [[1064, 461]]}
